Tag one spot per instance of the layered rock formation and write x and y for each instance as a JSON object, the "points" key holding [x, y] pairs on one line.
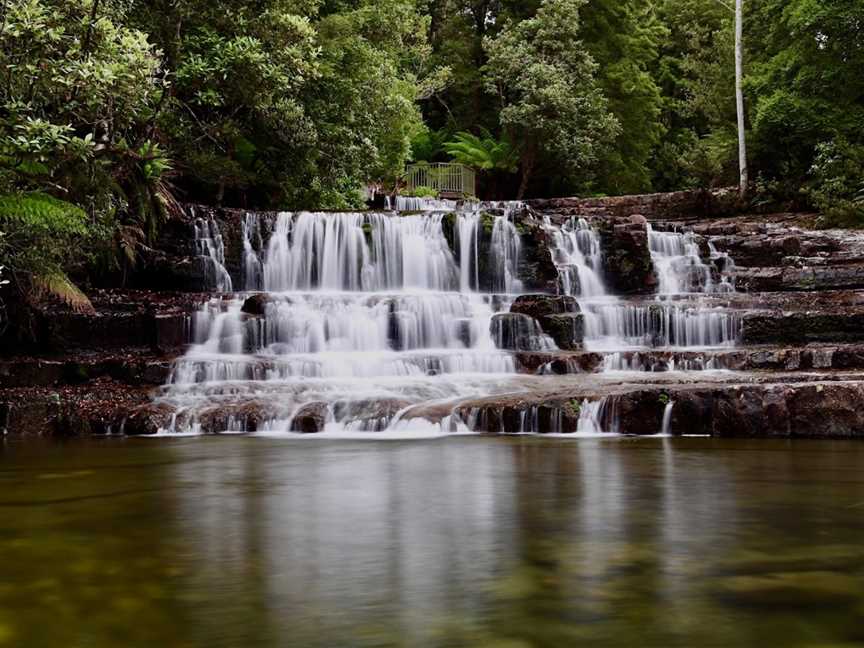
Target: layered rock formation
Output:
{"points": [[793, 367]]}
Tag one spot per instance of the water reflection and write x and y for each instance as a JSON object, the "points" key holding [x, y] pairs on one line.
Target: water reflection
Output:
{"points": [[463, 542]]}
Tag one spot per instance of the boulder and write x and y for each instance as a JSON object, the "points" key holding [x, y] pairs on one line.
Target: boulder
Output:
{"points": [[256, 305], [567, 330], [310, 418], [518, 332], [626, 256], [541, 306]]}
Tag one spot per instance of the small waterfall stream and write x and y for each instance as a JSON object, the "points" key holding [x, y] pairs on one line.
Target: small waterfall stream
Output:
{"points": [[375, 321]]}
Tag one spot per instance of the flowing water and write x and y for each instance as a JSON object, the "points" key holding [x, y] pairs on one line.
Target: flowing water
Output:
{"points": [[359, 317], [463, 541]]}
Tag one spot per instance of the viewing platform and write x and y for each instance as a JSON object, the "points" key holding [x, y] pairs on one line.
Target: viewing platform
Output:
{"points": [[450, 180]]}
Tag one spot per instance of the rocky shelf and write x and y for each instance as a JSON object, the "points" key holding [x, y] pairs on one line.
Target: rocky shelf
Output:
{"points": [[795, 369]]}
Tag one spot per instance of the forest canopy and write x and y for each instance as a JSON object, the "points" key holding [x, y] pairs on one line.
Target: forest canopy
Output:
{"points": [[111, 111]]}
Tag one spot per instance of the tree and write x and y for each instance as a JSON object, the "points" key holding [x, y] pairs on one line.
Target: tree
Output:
{"points": [[551, 105], [623, 37], [79, 95], [739, 96]]}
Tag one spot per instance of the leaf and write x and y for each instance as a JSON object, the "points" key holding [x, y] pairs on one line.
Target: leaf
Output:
{"points": [[57, 286]]}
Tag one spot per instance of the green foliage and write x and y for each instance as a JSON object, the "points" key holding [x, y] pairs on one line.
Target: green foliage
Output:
{"points": [[428, 145], [623, 38], [484, 152], [838, 182], [422, 192], [42, 213], [552, 107], [40, 235]]}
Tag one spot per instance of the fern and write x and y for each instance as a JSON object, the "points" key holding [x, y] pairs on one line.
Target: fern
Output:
{"points": [[57, 286], [39, 211], [483, 152]]}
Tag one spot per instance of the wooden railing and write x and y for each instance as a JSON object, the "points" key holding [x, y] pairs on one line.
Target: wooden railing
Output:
{"points": [[450, 180]]}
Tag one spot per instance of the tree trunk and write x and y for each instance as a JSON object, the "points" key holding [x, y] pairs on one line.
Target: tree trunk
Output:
{"points": [[739, 96]]}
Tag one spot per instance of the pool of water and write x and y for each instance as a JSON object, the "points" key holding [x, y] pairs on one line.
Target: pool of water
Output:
{"points": [[467, 541]]}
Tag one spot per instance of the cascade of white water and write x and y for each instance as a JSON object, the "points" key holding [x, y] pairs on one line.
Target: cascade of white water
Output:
{"points": [[209, 245], [667, 419], [505, 250], [678, 263], [365, 252], [253, 270], [598, 417], [613, 324], [576, 253], [409, 204], [374, 321]]}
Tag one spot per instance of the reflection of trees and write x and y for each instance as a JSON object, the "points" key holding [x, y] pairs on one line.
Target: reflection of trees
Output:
{"points": [[89, 548], [594, 564]]}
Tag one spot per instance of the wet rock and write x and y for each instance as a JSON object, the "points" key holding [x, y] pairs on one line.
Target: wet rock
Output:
{"points": [[802, 327], [626, 256], [558, 316], [311, 418], [240, 417], [540, 306], [171, 331], [560, 364], [256, 305], [567, 330], [148, 419], [518, 332]]}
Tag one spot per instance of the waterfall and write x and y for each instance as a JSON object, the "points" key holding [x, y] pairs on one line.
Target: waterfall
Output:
{"points": [[210, 247], [371, 321], [577, 255], [678, 263], [667, 419], [409, 204], [613, 324], [505, 251], [253, 270]]}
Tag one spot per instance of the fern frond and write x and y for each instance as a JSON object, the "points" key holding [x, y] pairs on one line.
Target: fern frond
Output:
{"points": [[57, 286], [42, 212]]}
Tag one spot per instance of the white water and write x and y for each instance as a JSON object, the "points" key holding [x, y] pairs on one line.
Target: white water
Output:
{"points": [[613, 324], [373, 322], [667, 418], [210, 247], [363, 316], [679, 266]]}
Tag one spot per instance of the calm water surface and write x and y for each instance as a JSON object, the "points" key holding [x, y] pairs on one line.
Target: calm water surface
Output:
{"points": [[506, 543]]}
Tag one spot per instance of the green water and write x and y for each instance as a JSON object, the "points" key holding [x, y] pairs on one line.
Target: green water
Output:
{"points": [[504, 543]]}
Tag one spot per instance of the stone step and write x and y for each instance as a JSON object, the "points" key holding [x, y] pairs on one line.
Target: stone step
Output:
{"points": [[133, 367], [121, 320], [821, 407], [818, 357]]}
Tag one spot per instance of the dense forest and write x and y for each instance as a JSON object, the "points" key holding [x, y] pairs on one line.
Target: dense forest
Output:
{"points": [[114, 111]]}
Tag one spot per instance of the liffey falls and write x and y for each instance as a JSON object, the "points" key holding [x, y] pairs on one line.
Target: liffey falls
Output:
{"points": [[644, 315]]}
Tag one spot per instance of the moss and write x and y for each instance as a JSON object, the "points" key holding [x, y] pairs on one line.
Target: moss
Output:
{"points": [[487, 222], [574, 407]]}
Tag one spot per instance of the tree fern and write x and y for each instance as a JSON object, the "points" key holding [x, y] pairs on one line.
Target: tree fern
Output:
{"points": [[57, 286], [483, 152]]}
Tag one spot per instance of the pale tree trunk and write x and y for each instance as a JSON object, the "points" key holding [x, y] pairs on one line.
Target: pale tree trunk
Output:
{"points": [[739, 95]]}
